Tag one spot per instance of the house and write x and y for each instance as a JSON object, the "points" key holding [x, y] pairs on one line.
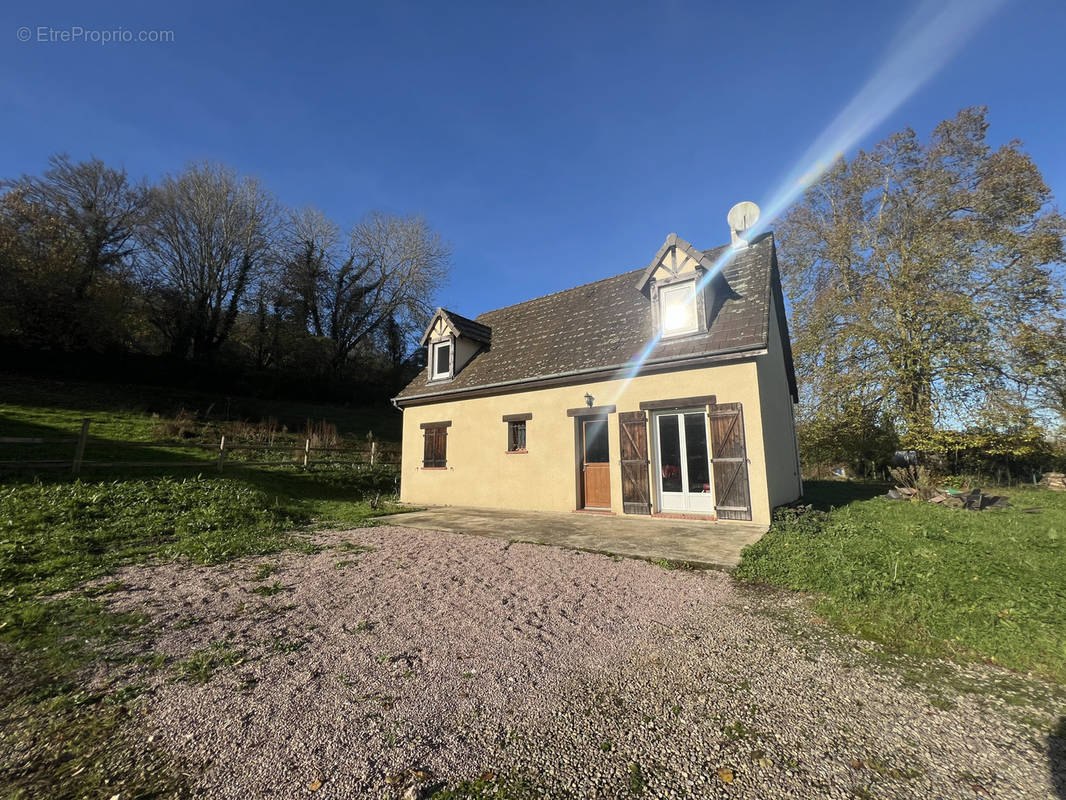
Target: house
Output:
{"points": [[666, 390]]}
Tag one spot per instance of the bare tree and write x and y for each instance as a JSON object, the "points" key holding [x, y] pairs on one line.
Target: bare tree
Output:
{"points": [[393, 267], [207, 240], [308, 254]]}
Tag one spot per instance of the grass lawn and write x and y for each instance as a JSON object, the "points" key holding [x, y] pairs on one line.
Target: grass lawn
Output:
{"points": [[987, 586], [60, 736]]}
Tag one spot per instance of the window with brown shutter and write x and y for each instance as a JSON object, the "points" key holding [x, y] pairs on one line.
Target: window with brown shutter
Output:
{"points": [[435, 455]]}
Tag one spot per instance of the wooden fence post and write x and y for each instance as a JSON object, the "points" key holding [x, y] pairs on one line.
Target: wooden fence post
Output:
{"points": [[79, 448], [373, 452], [307, 452], [221, 452]]}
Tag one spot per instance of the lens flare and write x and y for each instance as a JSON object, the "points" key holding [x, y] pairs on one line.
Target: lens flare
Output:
{"points": [[929, 39], [627, 374]]}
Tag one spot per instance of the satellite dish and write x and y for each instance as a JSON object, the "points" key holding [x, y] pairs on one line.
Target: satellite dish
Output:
{"points": [[742, 216]]}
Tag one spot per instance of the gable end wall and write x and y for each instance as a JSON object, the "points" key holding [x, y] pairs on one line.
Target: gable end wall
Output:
{"points": [[781, 454]]}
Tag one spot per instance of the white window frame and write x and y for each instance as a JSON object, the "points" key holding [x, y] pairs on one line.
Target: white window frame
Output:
{"points": [[433, 349], [672, 289]]}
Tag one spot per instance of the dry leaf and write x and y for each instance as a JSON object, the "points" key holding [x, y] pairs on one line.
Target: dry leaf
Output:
{"points": [[725, 775], [315, 785]]}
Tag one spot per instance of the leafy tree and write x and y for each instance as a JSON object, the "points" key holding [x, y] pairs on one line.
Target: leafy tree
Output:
{"points": [[924, 277], [36, 260], [208, 238], [67, 242], [860, 437], [98, 207]]}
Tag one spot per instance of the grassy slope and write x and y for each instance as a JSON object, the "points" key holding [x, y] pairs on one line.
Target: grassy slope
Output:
{"points": [[53, 409], [59, 737], [126, 412], [929, 580]]}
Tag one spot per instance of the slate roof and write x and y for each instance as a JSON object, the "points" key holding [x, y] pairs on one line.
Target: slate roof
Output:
{"points": [[469, 328], [605, 325]]}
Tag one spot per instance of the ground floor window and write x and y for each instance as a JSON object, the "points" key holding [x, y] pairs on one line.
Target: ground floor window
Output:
{"points": [[435, 454], [516, 437], [516, 431]]}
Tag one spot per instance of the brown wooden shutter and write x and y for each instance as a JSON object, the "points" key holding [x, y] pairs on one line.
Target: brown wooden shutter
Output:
{"points": [[730, 461], [633, 435], [435, 452]]}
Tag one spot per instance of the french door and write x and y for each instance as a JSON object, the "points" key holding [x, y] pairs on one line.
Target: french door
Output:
{"points": [[682, 462]]}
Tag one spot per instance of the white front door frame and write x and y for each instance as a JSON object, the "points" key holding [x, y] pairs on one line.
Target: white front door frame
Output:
{"points": [[684, 501]]}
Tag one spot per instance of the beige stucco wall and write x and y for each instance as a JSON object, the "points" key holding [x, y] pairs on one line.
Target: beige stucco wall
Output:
{"points": [[778, 422], [481, 473]]}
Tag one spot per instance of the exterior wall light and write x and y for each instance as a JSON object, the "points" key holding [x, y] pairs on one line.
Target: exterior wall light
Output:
{"points": [[589, 399]]}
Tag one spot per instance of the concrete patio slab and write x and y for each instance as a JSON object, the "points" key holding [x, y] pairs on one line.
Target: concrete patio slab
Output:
{"points": [[702, 543]]}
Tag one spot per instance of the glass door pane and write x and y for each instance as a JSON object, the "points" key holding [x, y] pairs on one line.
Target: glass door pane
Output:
{"points": [[670, 453], [699, 468], [596, 448]]}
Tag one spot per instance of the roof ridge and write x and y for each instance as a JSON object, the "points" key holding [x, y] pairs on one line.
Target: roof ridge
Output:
{"points": [[581, 286], [457, 315]]}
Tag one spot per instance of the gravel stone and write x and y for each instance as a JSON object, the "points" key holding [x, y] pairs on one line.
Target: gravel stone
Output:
{"points": [[434, 658]]}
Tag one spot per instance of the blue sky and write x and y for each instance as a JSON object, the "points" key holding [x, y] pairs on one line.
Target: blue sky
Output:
{"points": [[551, 143]]}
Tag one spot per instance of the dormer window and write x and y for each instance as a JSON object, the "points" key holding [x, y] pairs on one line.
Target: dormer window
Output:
{"points": [[452, 342], [677, 309], [441, 360]]}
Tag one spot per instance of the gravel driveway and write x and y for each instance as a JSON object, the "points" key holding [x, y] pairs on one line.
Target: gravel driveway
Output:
{"points": [[397, 658]]}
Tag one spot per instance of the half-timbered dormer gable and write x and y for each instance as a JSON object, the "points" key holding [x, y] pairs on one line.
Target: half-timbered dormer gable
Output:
{"points": [[452, 341], [682, 286]]}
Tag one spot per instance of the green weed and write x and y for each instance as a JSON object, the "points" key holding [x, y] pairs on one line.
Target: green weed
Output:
{"points": [[264, 571], [202, 665], [636, 779], [269, 590], [282, 645], [490, 787]]}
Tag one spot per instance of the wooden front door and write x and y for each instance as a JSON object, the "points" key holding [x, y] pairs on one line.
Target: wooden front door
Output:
{"points": [[729, 455], [596, 464]]}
